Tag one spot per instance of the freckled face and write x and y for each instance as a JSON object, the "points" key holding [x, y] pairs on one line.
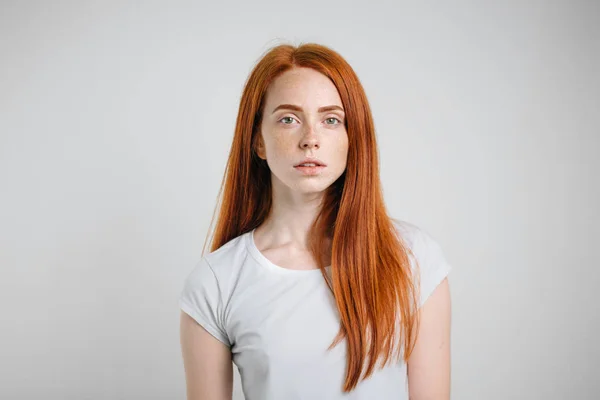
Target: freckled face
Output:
{"points": [[313, 128]]}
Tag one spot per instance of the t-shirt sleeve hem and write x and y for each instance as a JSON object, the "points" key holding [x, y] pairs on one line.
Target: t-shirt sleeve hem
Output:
{"points": [[203, 322], [436, 279]]}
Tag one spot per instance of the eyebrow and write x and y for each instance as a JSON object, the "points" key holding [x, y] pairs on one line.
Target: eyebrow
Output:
{"points": [[297, 108]]}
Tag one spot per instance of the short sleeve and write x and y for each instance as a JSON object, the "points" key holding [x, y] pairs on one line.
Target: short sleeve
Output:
{"points": [[201, 298], [433, 266]]}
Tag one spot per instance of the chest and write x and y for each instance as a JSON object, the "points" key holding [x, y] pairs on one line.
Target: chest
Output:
{"points": [[285, 325], [280, 336]]}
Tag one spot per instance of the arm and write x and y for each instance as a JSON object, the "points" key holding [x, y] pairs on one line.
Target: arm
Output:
{"points": [[429, 363], [207, 363]]}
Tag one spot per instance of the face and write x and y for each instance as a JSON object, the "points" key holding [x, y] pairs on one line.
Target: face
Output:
{"points": [[303, 117]]}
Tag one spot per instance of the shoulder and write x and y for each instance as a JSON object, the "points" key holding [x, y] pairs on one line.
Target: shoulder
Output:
{"points": [[227, 258], [206, 289], [213, 272], [426, 255], [408, 231], [419, 240]]}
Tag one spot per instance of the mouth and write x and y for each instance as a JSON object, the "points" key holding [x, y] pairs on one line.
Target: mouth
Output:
{"points": [[310, 163], [309, 168]]}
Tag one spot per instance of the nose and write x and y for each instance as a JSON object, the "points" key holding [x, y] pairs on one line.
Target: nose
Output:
{"points": [[310, 140]]}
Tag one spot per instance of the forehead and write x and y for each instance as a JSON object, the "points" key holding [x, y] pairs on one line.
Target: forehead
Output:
{"points": [[304, 87]]}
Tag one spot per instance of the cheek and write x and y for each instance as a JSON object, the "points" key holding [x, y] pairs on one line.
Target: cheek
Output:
{"points": [[280, 148], [340, 144]]}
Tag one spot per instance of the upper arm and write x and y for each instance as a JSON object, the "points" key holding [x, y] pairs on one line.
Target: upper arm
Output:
{"points": [[205, 342], [207, 362], [429, 363]]}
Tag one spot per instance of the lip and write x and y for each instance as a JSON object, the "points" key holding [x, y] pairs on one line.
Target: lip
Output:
{"points": [[311, 160], [311, 171]]}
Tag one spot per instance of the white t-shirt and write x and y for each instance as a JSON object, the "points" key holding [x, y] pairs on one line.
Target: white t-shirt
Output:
{"points": [[279, 322]]}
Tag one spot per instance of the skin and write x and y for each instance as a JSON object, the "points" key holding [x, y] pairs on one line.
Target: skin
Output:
{"points": [[429, 363], [285, 138], [207, 362]]}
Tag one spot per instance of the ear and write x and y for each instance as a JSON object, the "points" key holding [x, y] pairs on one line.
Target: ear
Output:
{"points": [[259, 146]]}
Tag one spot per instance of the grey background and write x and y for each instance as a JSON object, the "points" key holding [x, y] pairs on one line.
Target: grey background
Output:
{"points": [[116, 120]]}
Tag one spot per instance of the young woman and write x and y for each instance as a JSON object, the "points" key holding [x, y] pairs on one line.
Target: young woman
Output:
{"points": [[310, 288]]}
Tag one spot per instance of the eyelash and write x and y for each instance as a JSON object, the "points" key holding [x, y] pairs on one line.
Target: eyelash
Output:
{"points": [[337, 119]]}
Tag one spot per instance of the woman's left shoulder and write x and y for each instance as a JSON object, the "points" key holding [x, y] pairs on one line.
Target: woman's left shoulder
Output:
{"points": [[428, 257]]}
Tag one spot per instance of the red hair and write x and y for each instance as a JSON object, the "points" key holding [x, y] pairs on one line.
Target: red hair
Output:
{"points": [[371, 278]]}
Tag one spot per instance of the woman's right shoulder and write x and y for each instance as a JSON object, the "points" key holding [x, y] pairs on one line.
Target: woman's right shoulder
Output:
{"points": [[228, 258]]}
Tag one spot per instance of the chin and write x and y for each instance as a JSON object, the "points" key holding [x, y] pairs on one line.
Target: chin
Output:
{"points": [[311, 187], [304, 185]]}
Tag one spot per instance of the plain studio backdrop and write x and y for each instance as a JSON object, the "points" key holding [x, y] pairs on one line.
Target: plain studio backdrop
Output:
{"points": [[116, 120]]}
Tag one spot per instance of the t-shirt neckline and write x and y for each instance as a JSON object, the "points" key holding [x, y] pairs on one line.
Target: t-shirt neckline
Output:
{"points": [[264, 261]]}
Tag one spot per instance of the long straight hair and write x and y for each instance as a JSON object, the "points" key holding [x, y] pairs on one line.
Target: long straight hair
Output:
{"points": [[371, 278]]}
